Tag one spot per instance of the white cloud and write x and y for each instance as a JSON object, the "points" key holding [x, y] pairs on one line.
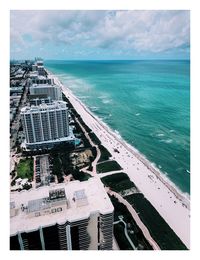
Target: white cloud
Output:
{"points": [[153, 31]]}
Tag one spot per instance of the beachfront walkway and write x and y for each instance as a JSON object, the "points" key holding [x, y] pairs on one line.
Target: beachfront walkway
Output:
{"points": [[135, 216], [104, 174]]}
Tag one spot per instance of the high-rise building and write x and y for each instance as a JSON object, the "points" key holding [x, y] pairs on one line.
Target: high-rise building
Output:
{"points": [[45, 125], [42, 80], [34, 67], [41, 70], [40, 67], [39, 62], [52, 91], [67, 216], [35, 101]]}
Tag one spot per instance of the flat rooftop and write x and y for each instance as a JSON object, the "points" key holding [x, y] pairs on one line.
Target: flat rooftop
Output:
{"points": [[78, 201], [45, 106], [44, 85]]}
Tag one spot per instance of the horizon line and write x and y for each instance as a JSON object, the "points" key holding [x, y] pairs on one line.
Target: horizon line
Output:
{"points": [[103, 59]]}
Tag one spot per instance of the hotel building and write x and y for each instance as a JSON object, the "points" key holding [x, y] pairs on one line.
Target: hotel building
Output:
{"points": [[40, 67], [52, 91], [46, 125], [67, 216], [35, 101], [43, 80]]}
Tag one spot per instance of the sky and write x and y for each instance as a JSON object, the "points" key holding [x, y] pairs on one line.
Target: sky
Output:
{"points": [[94, 35]]}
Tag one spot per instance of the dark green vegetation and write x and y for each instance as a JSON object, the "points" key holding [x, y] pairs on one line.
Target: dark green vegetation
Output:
{"points": [[65, 99], [81, 136], [57, 167], [94, 138], [118, 182], [158, 228], [104, 154], [137, 237], [81, 176], [87, 129], [60, 161], [25, 168], [108, 166], [61, 164]]}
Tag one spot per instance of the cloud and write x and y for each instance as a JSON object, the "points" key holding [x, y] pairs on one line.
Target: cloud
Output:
{"points": [[146, 30], [153, 31]]}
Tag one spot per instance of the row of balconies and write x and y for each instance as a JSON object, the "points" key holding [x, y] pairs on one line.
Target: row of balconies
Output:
{"points": [[62, 236]]}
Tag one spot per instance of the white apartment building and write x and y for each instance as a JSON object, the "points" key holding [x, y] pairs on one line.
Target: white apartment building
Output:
{"points": [[52, 91], [45, 125], [41, 70], [40, 67], [43, 80], [34, 67], [39, 62], [67, 216]]}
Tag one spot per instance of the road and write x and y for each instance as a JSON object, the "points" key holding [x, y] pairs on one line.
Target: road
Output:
{"points": [[16, 123]]}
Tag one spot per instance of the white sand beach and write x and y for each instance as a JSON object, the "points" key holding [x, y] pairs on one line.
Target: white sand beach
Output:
{"points": [[172, 205]]}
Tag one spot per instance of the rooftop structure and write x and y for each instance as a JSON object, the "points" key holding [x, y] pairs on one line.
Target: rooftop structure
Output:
{"points": [[33, 74], [43, 80], [69, 216], [39, 62], [38, 101]]}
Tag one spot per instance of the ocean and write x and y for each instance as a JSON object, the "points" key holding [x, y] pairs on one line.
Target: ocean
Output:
{"points": [[146, 102]]}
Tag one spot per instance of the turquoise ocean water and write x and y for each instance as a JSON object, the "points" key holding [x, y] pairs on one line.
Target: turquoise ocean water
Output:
{"points": [[146, 102]]}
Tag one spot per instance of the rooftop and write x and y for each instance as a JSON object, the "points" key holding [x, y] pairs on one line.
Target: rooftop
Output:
{"points": [[44, 86], [37, 207], [44, 106]]}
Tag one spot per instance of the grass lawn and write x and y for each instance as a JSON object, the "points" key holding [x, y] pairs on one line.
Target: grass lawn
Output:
{"points": [[25, 168], [108, 166], [118, 182]]}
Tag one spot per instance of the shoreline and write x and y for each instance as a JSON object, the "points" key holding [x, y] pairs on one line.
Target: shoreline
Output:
{"points": [[155, 186]]}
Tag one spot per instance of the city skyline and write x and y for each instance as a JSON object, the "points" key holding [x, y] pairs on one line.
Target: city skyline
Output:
{"points": [[100, 35]]}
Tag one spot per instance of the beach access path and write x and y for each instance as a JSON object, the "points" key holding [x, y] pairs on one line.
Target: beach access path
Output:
{"points": [[135, 216], [171, 204]]}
